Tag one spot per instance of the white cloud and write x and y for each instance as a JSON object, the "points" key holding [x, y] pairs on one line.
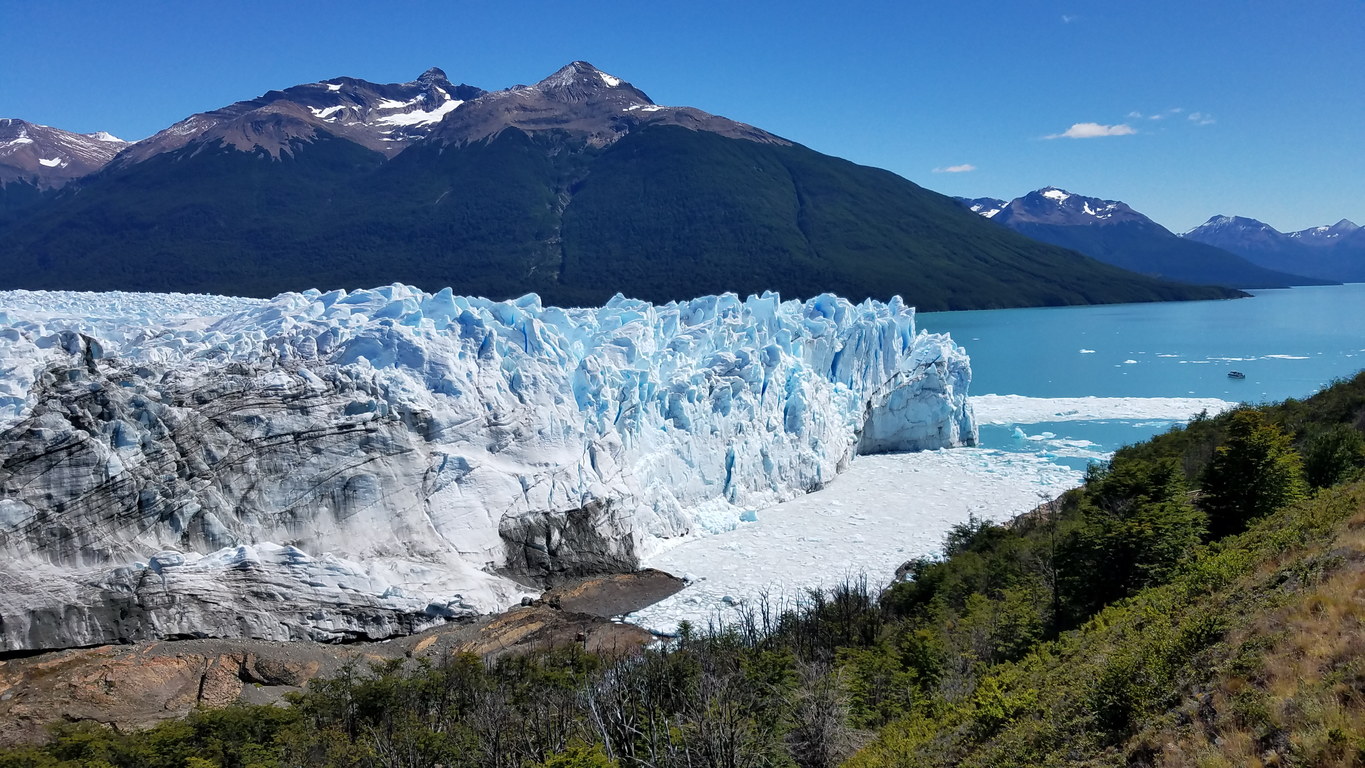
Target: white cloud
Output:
{"points": [[1093, 131], [1135, 115], [1068, 18], [1201, 118], [964, 168]]}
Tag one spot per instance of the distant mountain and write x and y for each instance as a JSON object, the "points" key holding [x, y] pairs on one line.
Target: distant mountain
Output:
{"points": [[576, 187], [1327, 236], [36, 159], [381, 118], [1335, 252], [48, 158], [985, 206], [1114, 233]]}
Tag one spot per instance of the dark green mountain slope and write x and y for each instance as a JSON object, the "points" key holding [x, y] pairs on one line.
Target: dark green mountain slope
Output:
{"points": [[678, 205], [202, 219], [663, 213], [15, 197]]}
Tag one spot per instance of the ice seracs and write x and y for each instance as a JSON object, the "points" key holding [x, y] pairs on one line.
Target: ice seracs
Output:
{"points": [[343, 464]]}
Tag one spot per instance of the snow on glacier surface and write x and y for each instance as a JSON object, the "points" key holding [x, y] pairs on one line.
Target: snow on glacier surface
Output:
{"points": [[1017, 409], [882, 512], [684, 416]]}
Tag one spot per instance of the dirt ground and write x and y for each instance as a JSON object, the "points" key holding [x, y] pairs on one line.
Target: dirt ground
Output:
{"points": [[136, 686]]}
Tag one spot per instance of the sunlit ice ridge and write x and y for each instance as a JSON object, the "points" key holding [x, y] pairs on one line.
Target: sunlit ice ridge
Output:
{"points": [[427, 455]]}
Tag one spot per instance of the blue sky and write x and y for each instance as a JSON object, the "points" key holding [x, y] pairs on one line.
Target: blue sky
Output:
{"points": [[1217, 107]]}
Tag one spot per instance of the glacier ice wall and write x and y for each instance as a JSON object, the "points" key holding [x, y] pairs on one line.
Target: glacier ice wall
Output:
{"points": [[363, 464]]}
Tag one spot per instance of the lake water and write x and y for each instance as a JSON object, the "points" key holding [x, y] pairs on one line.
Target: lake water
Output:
{"points": [[1143, 358], [1288, 342]]}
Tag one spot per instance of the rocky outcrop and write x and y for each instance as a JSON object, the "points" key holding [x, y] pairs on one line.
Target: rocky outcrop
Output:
{"points": [[579, 542], [137, 686]]}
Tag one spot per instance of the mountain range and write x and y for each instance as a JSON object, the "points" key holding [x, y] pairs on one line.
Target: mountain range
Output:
{"points": [[1335, 252], [1112, 232], [576, 187]]}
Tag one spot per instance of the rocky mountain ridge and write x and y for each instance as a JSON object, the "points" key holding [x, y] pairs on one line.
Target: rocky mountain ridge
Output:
{"points": [[1113, 232], [1335, 252], [47, 158]]}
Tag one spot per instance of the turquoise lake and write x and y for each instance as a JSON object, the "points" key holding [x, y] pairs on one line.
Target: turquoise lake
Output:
{"points": [[1288, 342]]}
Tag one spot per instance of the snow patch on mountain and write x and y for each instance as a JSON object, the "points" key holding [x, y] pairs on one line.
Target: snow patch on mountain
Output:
{"points": [[328, 112], [421, 117]]}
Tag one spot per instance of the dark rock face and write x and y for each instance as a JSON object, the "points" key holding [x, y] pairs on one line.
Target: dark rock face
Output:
{"points": [[555, 546]]}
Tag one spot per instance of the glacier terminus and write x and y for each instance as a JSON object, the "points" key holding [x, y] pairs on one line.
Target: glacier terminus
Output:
{"points": [[356, 465]]}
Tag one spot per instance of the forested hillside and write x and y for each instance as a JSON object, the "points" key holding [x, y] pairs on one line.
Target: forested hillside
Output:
{"points": [[664, 213]]}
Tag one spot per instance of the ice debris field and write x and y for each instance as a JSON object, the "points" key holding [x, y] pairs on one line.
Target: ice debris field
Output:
{"points": [[462, 448]]}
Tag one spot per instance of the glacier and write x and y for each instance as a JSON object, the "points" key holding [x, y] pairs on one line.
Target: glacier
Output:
{"points": [[356, 465]]}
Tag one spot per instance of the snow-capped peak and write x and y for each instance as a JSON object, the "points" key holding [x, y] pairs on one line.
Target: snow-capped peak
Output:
{"points": [[1053, 193], [383, 117], [581, 81], [1225, 223], [1057, 206], [986, 207], [1326, 234], [434, 75]]}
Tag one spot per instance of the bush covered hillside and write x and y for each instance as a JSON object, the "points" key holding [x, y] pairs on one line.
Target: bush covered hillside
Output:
{"points": [[1196, 602]]}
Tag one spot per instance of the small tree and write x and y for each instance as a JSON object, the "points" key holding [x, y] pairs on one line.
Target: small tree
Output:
{"points": [[579, 755], [1254, 474], [1333, 456]]}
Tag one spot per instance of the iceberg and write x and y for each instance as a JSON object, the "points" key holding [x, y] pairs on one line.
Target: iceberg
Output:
{"points": [[362, 464]]}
